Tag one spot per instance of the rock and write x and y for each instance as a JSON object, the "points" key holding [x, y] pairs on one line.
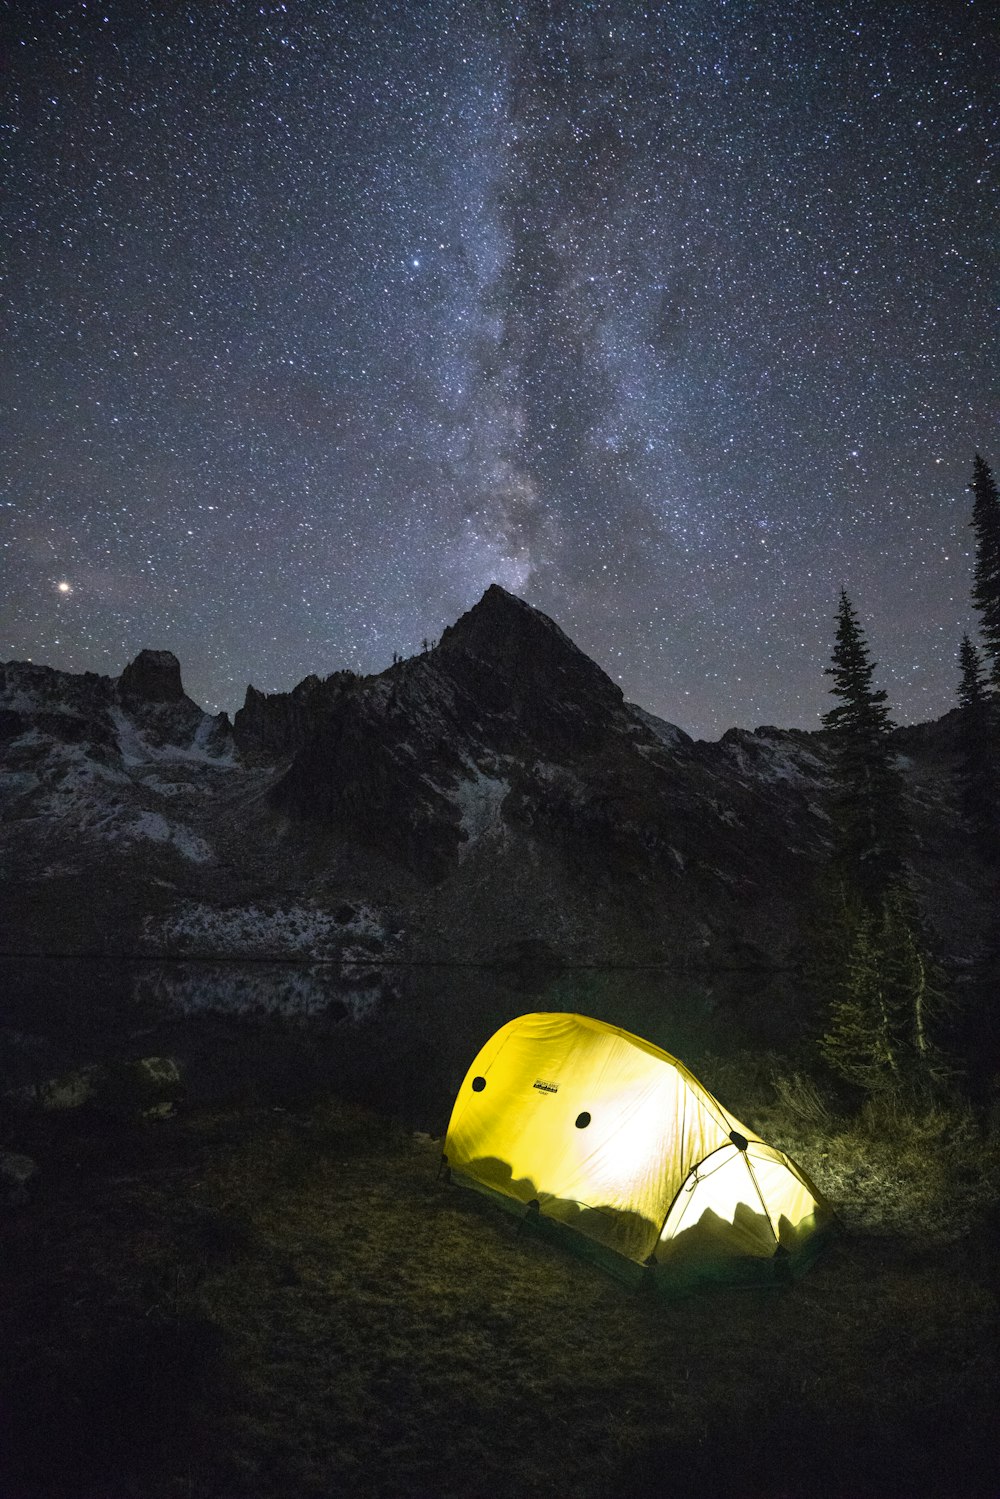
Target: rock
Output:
{"points": [[151, 691], [70, 709], [218, 736], [374, 765], [71, 1091], [153, 677], [278, 723], [18, 1178], [516, 667], [148, 1087]]}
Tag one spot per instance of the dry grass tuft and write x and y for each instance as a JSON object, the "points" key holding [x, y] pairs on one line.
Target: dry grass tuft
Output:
{"points": [[801, 1098]]}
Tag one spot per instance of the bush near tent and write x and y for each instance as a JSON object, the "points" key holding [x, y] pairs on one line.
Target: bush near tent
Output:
{"points": [[601, 1138]]}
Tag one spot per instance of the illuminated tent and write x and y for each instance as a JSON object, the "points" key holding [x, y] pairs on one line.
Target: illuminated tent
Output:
{"points": [[589, 1128]]}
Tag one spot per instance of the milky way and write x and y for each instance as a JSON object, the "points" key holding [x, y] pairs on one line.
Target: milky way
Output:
{"points": [[673, 319]]}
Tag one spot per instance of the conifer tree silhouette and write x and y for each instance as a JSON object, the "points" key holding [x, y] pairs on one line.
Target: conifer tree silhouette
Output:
{"points": [[986, 570], [881, 989]]}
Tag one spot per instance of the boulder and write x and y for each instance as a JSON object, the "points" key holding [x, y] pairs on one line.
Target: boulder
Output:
{"points": [[147, 1088], [18, 1177], [71, 1091]]}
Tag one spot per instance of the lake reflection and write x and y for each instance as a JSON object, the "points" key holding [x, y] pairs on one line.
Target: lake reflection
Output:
{"points": [[398, 1039], [260, 990]]}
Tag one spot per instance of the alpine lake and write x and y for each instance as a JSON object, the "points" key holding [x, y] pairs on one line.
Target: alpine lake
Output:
{"points": [[397, 1039]]}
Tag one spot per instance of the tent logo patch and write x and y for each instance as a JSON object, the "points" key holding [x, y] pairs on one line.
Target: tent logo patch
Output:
{"points": [[544, 1087]]}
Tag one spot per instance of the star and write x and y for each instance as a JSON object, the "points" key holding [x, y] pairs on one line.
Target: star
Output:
{"points": [[670, 290]]}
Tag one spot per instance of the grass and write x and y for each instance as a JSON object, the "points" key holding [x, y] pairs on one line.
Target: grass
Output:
{"points": [[255, 1301]]}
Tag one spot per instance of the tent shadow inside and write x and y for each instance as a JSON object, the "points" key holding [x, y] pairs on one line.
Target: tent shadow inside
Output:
{"points": [[606, 1235], [742, 1251]]}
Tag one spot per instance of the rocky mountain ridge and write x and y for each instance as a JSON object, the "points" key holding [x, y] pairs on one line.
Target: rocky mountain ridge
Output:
{"points": [[492, 798]]}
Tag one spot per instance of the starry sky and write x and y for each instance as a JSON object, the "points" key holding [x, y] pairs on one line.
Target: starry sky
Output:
{"points": [[321, 316]]}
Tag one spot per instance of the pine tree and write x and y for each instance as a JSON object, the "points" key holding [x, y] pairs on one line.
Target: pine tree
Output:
{"points": [[878, 986], [986, 571], [889, 995], [978, 772], [858, 1044], [828, 929], [871, 821], [972, 687]]}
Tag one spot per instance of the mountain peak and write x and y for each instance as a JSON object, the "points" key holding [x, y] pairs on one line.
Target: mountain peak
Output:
{"points": [[153, 677], [510, 657], [502, 619]]}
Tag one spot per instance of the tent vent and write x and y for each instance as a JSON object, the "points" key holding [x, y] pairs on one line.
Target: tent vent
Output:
{"points": [[582, 1120], [478, 1084], [740, 1141]]}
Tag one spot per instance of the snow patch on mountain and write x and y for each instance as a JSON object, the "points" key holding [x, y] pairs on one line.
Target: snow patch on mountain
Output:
{"points": [[161, 787], [155, 827], [726, 815], [79, 791], [669, 735], [135, 748], [773, 755], [479, 800], [21, 699], [255, 931], [76, 784]]}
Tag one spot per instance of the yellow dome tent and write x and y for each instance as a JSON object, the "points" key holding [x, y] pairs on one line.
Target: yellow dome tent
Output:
{"points": [[589, 1128]]}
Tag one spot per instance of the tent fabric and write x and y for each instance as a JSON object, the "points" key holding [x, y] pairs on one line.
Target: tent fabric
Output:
{"points": [[601, 1132]]}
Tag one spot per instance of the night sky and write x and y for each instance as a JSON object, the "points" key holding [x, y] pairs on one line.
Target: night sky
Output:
{"points": [[320, 317]]}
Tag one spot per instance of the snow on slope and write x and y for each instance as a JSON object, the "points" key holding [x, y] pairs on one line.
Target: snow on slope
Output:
{"points": [[73, 789], [774, 755], [295, 931], [479, 800], [668, 734], [81, 764], [136, 749]]}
